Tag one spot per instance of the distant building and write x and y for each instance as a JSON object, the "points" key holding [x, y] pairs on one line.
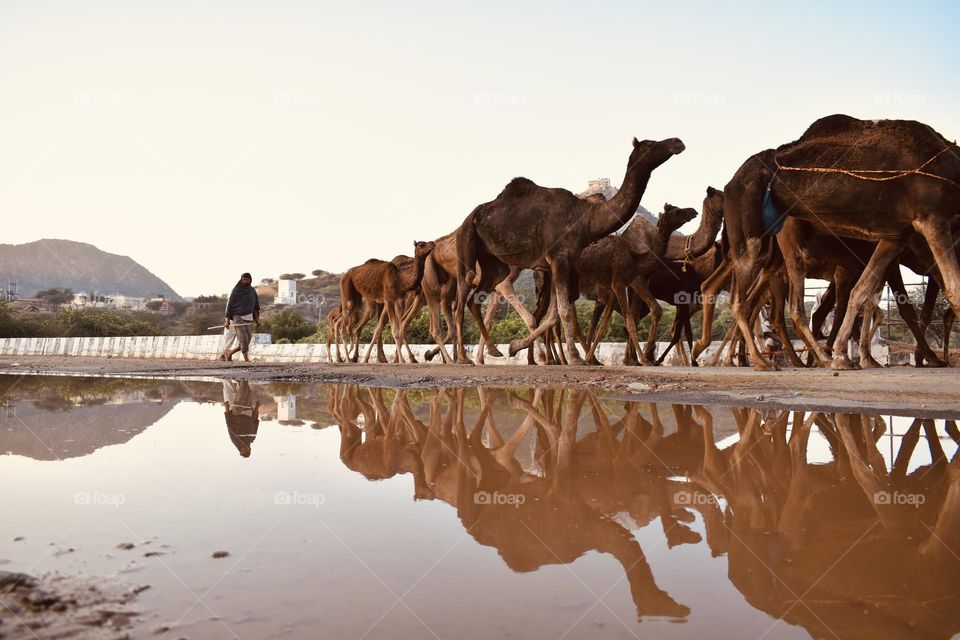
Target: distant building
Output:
{"points": [[602, 185], [286, 292]]}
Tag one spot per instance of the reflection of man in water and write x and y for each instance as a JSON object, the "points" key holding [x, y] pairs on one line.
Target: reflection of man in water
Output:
{"points": [[242, 416]]}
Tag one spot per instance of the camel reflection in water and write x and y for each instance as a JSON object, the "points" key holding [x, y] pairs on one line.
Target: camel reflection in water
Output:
{"points": [[847, 548]]}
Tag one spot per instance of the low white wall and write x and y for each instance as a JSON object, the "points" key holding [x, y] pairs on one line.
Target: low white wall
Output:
{"points": [[261, 350]]}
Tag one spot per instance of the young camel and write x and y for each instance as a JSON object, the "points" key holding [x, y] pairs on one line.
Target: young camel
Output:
{"points": [[609, 272], [384, 283]]}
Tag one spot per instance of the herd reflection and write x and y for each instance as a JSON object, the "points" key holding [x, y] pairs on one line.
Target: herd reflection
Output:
{"points": [[826, 520], [851, 546]]}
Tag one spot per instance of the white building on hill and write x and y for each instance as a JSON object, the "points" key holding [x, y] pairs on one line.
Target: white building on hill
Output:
{"points": [[286, 292]]}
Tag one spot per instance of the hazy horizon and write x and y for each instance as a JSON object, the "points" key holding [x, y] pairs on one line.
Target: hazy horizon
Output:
{"points": [[209, 138]]}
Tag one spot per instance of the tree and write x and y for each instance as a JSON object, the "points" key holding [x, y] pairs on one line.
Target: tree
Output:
{"points": [[267, 281], [55, 296], [297, 276], [288, 325], [318, 272], [207, 299]]}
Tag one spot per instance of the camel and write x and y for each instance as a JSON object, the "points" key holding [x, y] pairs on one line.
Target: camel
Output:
{"points": [[609, 271], [384, 283], [809, 253], [641, 234], [881, 181], [671, 281], [530, 226]]}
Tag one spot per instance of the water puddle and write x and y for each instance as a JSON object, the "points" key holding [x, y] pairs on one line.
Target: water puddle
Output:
{"points": [[239, 510]]}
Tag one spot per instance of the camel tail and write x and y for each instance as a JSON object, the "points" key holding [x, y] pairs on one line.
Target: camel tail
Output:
{"points": [[350, 298]]}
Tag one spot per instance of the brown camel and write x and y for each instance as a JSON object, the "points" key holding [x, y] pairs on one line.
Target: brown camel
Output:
{"points": [[641, 234], [529, 226], [881, 181], [608, 269], [384, 283]]}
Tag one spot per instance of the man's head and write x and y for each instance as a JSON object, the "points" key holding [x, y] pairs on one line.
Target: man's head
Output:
{"points": [[246, 278]]}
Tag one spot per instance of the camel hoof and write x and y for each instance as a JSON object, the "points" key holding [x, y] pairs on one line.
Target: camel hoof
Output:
{"points": [[493, 351], [594, 362], [763, 364], [867, 362], [515, 347], [842, 363], [429, 355]]}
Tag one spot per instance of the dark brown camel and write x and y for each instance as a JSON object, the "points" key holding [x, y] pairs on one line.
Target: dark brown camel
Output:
{"points": [[610, 273], [384, 283], [529, 226], [881, 181]]}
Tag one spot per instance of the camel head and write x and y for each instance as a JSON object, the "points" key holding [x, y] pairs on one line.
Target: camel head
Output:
{"points": [[713, 204], [675, 217], [422, 249], [653, 153]]}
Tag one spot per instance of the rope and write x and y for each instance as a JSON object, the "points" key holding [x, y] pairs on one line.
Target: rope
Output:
{"points": [[686, 253], [855, 173]]}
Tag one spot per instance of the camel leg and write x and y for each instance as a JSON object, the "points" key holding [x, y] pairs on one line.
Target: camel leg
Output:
{"points": [[779, 319], [655, 313], [436, 304], [622, 295], [918, 327], [561, 273], [746, 270], [798, 315], [506, 289], [938, 235], [549, 319], [719, 279], [862, 297], [948, 317], [376, 337], [675, 333], [871, 324], [492, 303], [604, 325]]}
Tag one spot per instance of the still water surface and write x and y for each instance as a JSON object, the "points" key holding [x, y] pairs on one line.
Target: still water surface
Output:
{"points": [[353, 512]]}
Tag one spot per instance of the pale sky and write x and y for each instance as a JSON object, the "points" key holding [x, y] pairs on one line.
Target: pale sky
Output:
{"points": [[207, 138]]}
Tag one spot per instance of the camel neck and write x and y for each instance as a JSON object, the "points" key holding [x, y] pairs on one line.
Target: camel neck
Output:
{"points": [[607, 217]]}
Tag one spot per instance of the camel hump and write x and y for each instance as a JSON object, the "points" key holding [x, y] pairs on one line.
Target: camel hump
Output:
{"points": [[373, 261], [518, 186], [830, 126], [840, 140]]}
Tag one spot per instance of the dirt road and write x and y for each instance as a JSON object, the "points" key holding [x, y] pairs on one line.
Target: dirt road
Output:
{"points": [[900, 390]]}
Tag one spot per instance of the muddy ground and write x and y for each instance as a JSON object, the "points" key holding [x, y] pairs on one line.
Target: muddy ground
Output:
{"points": [[899, 390]]}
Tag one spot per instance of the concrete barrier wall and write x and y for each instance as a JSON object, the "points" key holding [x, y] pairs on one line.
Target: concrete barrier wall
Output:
{"points": [[261, 350]]}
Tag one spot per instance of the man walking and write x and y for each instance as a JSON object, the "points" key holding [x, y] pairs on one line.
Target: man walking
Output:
{"points": [[241, 313]]}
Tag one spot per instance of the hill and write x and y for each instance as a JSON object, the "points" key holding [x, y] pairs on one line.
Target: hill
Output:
{"points": [[80, 266]]}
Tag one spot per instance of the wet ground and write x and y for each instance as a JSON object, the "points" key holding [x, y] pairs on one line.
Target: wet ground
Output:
{"points": [[245, 509], [927, 392]]}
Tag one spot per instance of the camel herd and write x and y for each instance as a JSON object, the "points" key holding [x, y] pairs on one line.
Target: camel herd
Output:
{"points": [[849, 202]]}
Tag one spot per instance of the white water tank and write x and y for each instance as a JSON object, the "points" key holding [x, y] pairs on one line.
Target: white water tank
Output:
{"points": [[286, 292]]}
